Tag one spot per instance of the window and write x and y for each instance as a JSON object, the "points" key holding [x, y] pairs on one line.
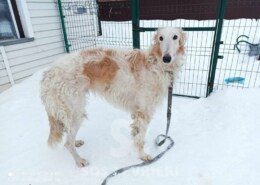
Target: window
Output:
{"points": [[14, 21], [8, 27]]}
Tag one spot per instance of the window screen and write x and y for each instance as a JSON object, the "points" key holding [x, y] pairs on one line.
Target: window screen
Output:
{"points": [[7, 28]]}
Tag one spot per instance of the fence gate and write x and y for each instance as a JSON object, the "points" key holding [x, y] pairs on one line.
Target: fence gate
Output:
{"points": [[241, 26], [131, 23]]}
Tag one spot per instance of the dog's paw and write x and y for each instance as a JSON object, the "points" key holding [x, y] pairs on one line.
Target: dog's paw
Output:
{"points": [[145, 157], [79, 143], [82, 162]]}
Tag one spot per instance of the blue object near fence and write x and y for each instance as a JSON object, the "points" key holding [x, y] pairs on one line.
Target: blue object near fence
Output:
{"points": [[239, 80]]}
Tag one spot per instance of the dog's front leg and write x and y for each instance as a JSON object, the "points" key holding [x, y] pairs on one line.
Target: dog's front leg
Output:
{"points": [[139, 128]]}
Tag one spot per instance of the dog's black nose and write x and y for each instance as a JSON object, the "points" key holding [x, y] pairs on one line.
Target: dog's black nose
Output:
{"points": [[167, 58]]}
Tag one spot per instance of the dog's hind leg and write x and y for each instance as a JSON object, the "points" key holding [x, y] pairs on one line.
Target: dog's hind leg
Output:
{"points": [[79, 143], [71, 145], [139, 128]]}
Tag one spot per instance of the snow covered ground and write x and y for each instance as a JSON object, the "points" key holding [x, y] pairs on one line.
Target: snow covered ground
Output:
{"points": [[216, 142]]}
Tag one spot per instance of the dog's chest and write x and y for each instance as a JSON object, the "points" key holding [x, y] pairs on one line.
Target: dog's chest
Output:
{"points": [[130, 93]]}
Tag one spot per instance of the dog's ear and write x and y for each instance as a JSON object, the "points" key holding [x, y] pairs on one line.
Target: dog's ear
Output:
{"points": [[182, 41], [155, 36], [183, 37]]}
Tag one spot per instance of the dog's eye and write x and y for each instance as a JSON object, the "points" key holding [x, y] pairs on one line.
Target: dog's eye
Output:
{"points": [[161, 38], [175, 37]]}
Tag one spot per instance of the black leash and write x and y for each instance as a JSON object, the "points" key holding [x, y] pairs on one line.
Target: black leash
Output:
{"points": [[160, 140], [169, 114]]}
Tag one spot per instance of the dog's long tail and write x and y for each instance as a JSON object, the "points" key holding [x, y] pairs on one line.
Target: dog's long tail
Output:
{"points": [[56, 131], [58, 115]]}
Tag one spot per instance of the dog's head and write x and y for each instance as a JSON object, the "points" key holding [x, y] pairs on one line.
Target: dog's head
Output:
{"points": [[169, 44]]}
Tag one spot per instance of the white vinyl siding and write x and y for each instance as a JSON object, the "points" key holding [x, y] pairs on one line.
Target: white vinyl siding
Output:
{"points": [[26, 58]]}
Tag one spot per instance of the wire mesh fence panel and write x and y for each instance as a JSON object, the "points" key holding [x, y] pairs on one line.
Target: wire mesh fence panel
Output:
{"points": [[81, 19], [116, 32], [240, 66], [86, 29]]}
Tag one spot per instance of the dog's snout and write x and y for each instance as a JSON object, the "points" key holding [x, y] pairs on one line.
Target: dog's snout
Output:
{"points": [[167, 58]]}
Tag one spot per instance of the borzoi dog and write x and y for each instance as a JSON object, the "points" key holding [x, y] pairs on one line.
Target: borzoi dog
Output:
{"points": [[133, 80]]}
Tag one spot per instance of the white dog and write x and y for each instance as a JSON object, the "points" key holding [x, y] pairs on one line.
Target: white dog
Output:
{"points": [[133, 80]]}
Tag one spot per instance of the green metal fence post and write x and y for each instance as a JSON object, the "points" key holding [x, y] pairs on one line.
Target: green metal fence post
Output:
{"points": [[135, 22], [63, 25], [216, 44], [99, 21]]}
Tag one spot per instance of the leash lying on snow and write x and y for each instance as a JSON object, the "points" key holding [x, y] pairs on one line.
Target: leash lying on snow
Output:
{"points": [[160, 140]]}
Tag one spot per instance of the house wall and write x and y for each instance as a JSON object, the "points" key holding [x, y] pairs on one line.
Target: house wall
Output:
{"points": [[26, 58], [4, 81]]}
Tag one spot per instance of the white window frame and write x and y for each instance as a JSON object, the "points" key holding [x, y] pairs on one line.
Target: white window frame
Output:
{"points": [[25, 18]]}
